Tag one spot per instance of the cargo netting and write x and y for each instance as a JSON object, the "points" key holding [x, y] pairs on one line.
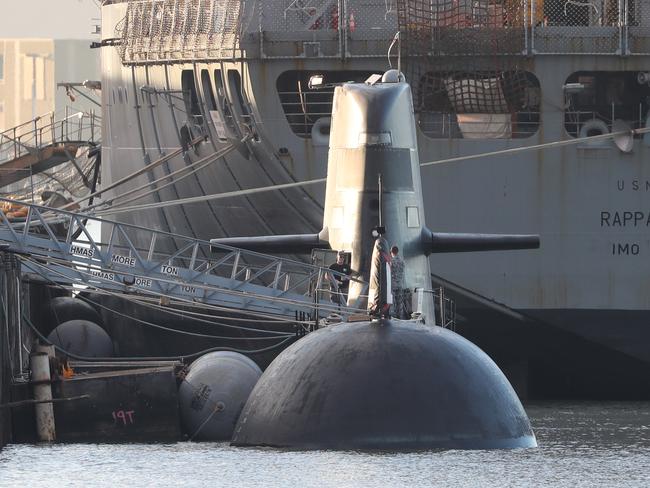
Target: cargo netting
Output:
{"points": [[169, 30], [465, 60]]}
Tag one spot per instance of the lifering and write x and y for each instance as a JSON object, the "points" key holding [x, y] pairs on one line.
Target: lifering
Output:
{"points": [[593, 127], [320, 132]]}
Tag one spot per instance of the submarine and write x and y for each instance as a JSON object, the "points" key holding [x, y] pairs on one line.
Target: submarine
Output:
{"points": [[382, 382]]}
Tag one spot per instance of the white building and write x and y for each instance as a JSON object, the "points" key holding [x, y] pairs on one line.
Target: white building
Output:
{"points": [[44, 43]]}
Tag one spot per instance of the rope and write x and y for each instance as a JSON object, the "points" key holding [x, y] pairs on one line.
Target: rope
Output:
{"points": [[129, 177], [208, 418], [217, 196], [151, 358], [194, 167], [546, 145], [251, 191]]}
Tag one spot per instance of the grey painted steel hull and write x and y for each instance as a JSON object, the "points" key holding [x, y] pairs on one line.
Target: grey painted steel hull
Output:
{"points": [[383, 385], [560, 194]]}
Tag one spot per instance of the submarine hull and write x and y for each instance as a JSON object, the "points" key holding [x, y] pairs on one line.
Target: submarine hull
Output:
{"points": [[383, 385]]}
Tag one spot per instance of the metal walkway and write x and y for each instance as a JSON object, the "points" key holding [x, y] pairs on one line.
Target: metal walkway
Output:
{"points": [[45, 142], [59, 246]]}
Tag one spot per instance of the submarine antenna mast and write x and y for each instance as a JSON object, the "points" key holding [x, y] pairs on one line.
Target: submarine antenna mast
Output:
{"points": [[396, 39], [381, 201], [399, 54]]}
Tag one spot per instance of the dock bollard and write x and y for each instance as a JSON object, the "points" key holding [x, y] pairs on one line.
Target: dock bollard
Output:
{"points": [[42, 386]]}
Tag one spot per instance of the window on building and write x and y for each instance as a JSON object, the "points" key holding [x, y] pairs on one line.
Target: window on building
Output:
{"points": [[2, 67]]}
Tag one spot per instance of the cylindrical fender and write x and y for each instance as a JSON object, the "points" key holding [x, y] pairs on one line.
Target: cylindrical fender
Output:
{"points": [[320, 132]]}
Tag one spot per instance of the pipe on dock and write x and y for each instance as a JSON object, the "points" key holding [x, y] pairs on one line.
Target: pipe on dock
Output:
{"points": [[42, 386]]}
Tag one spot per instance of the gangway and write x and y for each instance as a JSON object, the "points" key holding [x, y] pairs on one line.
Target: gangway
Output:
{"points": [[45, 142], [58, 245]]}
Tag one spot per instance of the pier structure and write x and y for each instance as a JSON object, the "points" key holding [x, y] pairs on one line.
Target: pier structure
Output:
{"points": [[127, 399], [11, 336]]}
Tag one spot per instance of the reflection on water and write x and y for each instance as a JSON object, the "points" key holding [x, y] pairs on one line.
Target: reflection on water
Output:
{"points": [[595, 444]]}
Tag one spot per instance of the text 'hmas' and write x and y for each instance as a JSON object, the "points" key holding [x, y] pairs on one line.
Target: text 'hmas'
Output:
{"points": [[86, 252], [103, 275]]}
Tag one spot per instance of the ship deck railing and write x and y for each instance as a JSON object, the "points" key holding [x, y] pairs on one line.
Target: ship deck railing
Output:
{"points": [[286, 29], [52, 128]]}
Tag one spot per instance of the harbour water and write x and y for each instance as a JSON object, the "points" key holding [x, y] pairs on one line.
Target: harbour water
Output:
{"points": [[581, 444]]}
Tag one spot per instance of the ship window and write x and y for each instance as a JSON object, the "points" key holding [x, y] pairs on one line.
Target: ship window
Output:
{"points": [[236, 89], [207, 90], [478, 104], [303, 107], [234, 80], [412, 217], [191, 98], [595, 99], [213, 114], [223, 102]]}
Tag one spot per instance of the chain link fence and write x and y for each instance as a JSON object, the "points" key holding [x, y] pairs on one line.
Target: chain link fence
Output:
{"points": [[327, 28], [638, 27], [300, 28], [590, 26], [371, 24]]}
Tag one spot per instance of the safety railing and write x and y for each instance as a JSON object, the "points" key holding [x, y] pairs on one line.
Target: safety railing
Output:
{"points": [[585, 123], [445, 309], [445, 125], [49, 129], [304, 108]]}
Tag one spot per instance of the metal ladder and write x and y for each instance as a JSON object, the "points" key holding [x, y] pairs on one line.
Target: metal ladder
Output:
{"points": [[59, 246]]}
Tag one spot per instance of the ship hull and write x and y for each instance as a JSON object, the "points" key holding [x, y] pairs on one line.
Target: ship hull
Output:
{"points": [[589, 203]]}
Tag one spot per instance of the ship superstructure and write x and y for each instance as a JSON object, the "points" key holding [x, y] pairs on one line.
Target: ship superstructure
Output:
{"points": [[487, 76]]}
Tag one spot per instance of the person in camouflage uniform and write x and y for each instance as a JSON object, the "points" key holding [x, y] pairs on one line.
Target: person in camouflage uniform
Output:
{"points": [[401, 295]]}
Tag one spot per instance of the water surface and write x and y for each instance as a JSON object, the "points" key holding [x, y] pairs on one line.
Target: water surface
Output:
{"points": [[590, 445]]}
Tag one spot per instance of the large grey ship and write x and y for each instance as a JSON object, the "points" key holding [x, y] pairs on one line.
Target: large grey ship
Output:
{"points": [[226, 76]]}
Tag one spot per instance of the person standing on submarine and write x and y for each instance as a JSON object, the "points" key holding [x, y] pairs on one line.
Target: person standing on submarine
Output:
{"points": [[340, 296], [400, 305]]}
